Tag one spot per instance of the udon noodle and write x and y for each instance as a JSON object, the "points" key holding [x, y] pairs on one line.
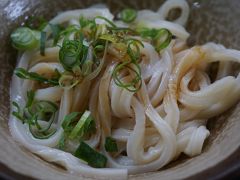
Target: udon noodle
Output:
{"points": [[152, 126]]}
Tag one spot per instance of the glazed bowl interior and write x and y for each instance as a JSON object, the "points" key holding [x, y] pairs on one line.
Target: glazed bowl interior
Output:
{"points": [[211, 20]]}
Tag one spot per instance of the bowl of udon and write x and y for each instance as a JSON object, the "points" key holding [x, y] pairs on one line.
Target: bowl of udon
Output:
{"points": [[119, 89]]}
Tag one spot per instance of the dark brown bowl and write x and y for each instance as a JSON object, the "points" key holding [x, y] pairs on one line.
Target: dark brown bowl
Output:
{"points": [[210, 20]]}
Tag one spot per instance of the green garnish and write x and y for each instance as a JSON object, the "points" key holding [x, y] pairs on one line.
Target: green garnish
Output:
{"points": [[30, 98], [72, 53], [35, 111], [68, 80], [107, 20], [83, 125], [133, 48], [161, 38], [84, 22], [42, 43], [92, 157], [18, 114], [56, 32], [68, 120], [128, 15], [44, 110], [111, 145], [61, 142], [24, 74], [135, 84], [68, 31], [109, 37], [75, 127], [24, 38]]}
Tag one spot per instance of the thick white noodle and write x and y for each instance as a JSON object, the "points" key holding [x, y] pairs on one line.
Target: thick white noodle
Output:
{"points": [[173, 4]]}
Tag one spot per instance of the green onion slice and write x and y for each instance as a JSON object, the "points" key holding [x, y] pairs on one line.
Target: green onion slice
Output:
{"points": [[68, 120], [30, 97], [107, 20], [38, 135], [111, 145], [128, 15], [24, 74], [35, 111], [61, 142], [89, 155], [42, 43], [109, 37], [84, 22], [162, 39], [70, 53], [44, 110], [135, 83], [68, 80], [24, 38], [18, 114], [123, 29], [100, 30], [133, 48], [82, 126], [56, 30]]}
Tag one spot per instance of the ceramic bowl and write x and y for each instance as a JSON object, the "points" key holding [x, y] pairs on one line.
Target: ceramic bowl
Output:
{"points": [[210, 20]]}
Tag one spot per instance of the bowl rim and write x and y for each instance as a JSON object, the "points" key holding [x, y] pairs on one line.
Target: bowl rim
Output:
{"points": [[228, 168]]}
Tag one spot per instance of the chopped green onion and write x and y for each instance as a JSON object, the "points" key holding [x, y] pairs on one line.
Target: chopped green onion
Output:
{"points": [[44, 110], [56, 30], [107, 20], [40, 135], [111, 145], [123, 29], [134, 53], [71, 53], [18, 113], [82, 125], [24, 74], [61, 142], [92, 157], [146, 32], [162, 39], [34, 111], [30, 96], [24, 38], [42, 43], [128, 15], [135, 83], [109, 37], [68, 81], [100, 30], [84, 22], [99, 48], [68, 120], [68, 31]]}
